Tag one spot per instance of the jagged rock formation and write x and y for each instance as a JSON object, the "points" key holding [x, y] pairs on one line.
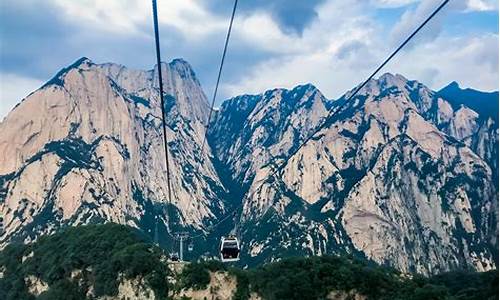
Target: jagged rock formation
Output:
{"points": [[221, 286], [393, 175], [250, 131], [401, 174], [474, 120], [87, 147]]}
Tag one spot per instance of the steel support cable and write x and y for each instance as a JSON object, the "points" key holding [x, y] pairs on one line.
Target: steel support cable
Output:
{"points": [[223, 58], [336, 109], [160, 81], [358, 89], [214, 97], [164, 124]]}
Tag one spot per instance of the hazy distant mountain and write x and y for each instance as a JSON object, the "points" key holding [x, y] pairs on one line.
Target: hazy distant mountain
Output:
{"points": [[401, 174], [485, 104]]}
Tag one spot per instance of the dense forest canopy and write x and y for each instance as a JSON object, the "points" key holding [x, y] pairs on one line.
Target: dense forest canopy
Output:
{"points": [[100, 252], [105, 253]]}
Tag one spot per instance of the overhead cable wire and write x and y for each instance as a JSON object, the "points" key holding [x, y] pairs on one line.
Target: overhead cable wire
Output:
{"points": [[223, 58], [162, 100], [164, 124], [358, 89], [336, 109]]}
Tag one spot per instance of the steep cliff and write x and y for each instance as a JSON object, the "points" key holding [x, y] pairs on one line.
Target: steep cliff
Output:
{"points": [[400, 174]]}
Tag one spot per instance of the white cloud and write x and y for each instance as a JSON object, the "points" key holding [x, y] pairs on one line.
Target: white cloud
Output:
{"points": [[482, 5], [470, 60], [12, 89], [334, 52], [344, 45], [414, 17], [470, 5], [339, 49], [266, 34], [130, 16], [391, 3], [115, 16]]}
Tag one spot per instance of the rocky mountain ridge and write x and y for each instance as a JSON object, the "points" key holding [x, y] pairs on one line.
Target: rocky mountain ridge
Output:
{"points": [[392, 175], [399, 174], [87, 147]]}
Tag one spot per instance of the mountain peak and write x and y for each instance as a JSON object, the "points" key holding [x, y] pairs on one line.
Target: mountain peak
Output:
{"points": [[176, 63], [454, 86], [179, 61], [58, 79], [392, 78], [484, 103], [387, 80], [80, 61], [77, 64], [181, 66], [387, 75], [306, 87]]}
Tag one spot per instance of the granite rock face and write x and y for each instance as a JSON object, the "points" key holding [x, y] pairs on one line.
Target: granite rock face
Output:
{"points": [[88, 147], [397, 175], [401, 174]]}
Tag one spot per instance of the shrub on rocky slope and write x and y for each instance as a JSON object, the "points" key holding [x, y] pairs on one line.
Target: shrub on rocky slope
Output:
{"points": [[82, 262], [94, 261], [317, 277]]}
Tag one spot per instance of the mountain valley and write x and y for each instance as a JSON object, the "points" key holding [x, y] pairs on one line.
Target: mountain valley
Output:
{"points": [[400, 174]]}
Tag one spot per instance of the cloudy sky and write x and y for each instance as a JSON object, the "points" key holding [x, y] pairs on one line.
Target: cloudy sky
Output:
{"points": [[333, 44]]}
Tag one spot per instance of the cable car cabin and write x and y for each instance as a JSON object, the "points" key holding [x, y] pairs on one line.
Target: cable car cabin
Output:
{"points": [[230, 249], [174, 256]]}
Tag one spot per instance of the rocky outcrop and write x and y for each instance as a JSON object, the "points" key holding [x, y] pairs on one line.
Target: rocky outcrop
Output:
{"points": [[132, 289], [252, 130], [400, 174], [222, 286], [392, 176], [341, 295], [35, 285], [88, 147]]}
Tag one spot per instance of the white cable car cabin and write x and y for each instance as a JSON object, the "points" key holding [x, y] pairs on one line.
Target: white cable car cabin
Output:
{"points": [[174, 256], [229, 249]]}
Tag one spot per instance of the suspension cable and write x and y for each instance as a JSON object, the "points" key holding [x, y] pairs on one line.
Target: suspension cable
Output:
{"points": [[358, 89], [334, 110], [164, 125], [223, 58]]}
